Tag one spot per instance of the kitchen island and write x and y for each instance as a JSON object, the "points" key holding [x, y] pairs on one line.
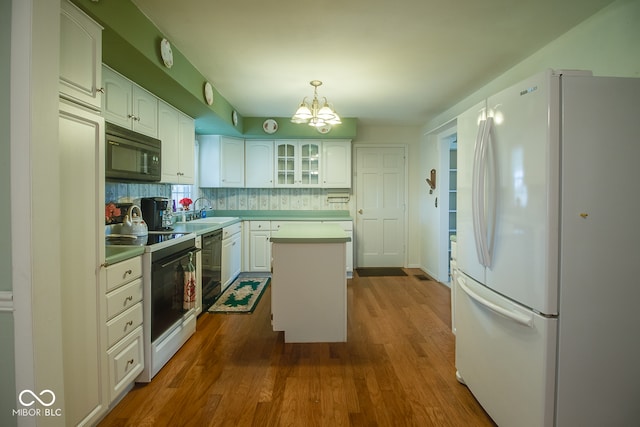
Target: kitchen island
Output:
{"points": [[309, 287]]}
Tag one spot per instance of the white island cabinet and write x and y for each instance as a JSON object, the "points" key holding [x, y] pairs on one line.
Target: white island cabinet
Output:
{"points": [[309, 287]]}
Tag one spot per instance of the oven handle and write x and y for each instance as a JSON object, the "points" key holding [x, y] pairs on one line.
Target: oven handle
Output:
{"points": [[183, 254]]}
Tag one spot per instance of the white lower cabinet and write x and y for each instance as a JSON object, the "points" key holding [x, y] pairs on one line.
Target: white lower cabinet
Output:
{"points": [[258, 246], [231, 262], [347, 226], [124, 325], [126, 361], [258, 240]]}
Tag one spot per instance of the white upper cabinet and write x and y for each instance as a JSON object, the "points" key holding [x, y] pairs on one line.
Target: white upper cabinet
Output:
{"points": [[233, 162], [187, 133], [128, 105], [336, 164], [258, 164], [297, 163], [177, 133], [221, 161], [80, 57]]}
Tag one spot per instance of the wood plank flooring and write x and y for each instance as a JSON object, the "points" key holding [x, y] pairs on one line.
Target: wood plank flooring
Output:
{"points": [[397, 369]]}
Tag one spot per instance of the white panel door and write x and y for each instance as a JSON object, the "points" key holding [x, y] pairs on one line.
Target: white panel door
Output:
{"points": [[380, 200]]}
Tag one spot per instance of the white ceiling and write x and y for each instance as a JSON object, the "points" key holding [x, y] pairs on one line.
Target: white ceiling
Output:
{"points": [[397, 62]]}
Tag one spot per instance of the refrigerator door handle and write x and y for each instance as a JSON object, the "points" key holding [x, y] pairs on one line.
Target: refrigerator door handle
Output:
{"points": [[509, 314], [479, 195], [488, 191], [475, 191]]}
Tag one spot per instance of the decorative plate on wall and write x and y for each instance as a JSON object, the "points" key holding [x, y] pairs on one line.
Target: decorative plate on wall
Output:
{"points": [[234, 117], [208, 93], [324, 129], [166, 53], [270, 126]]}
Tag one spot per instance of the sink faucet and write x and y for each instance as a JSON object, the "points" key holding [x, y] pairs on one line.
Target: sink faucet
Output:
{"points": [[207, 206]]}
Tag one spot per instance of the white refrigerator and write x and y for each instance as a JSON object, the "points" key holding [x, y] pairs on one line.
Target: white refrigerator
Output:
{"points": [[547, 292]]}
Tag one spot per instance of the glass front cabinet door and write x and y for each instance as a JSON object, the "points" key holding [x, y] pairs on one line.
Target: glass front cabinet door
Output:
{"points": [[298, 163]]}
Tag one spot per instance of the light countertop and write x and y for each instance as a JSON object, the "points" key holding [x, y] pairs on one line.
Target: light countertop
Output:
{"points": [[310, 233], [116, 253]]}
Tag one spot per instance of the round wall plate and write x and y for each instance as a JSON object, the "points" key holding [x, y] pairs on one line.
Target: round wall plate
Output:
{"points": [[270, 126], [234, 117], [208, 93], [166, 53], [324, 129]]}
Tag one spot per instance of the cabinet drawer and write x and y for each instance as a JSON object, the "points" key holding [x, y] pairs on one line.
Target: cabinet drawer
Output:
{"points": [[124, 323], [259, 225], [123, 272], [126, 361], [275, 225], [346, 225], [231, 230], [123, 298]]}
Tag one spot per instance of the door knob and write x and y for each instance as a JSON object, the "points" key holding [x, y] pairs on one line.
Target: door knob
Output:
{"points": [[360, 211]]}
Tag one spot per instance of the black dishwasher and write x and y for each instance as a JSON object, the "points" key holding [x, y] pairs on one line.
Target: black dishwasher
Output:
{"points": [[211, 260]]}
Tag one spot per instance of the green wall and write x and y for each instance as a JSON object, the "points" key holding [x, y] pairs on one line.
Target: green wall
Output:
{"points": [[131, 46], [608, 43], [7, 360]]}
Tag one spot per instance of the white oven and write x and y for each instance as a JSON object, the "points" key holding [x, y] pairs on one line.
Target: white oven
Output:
{"points": [[168, 321]]}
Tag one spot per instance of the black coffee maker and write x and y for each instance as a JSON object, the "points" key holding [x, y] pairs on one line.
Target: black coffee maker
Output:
{"points": [[153, 210]]}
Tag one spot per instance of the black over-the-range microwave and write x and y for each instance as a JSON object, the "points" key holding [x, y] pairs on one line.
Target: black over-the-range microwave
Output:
{"points": [[131, 156]]}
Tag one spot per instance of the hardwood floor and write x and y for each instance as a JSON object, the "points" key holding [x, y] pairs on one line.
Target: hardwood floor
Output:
{"points": [[397, 369]]}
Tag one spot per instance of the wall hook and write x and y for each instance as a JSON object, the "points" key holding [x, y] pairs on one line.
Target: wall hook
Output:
{"points": [[432, 181]]}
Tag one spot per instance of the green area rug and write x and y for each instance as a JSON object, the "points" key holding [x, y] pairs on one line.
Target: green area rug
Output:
{"points": [[241, 296]]}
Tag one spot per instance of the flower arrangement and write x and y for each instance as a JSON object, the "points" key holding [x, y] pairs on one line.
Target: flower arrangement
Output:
{"points": [[111, 213], [186, 202]]}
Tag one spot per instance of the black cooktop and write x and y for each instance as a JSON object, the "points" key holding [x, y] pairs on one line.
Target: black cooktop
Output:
{"points": [[162, 236]]}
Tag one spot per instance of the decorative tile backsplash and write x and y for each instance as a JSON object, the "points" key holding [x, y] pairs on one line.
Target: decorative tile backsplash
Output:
{"points": [[132, 192], [237, 198], [271, 199]]}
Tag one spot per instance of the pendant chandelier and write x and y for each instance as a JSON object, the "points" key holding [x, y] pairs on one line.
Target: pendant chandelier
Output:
{"points": [[313, 114]]}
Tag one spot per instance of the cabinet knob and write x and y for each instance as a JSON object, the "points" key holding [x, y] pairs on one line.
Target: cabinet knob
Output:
{"points": [[101, 90], [360, 211]]}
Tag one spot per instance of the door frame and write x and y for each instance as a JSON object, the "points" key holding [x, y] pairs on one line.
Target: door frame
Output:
{"points": [[354, 180], [444, 143]]}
